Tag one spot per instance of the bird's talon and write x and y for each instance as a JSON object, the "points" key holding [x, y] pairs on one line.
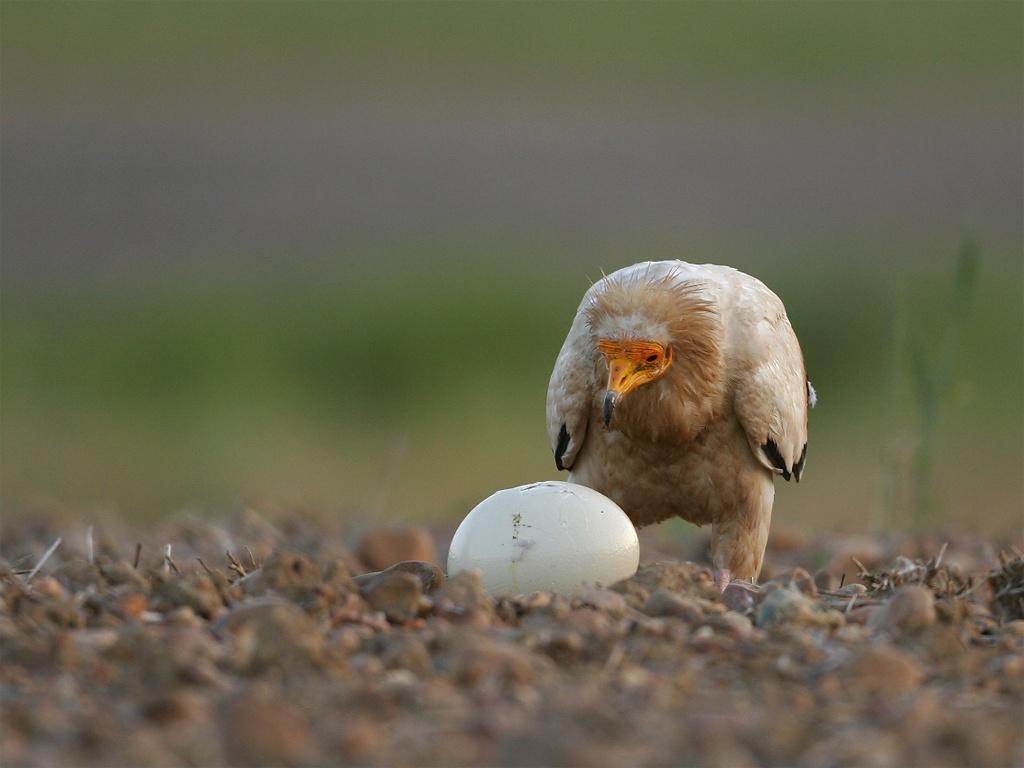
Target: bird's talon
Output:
{"points": [[722, 578]]}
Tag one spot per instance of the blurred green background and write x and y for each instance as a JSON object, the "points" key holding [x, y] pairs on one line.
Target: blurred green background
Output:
{"points": [[322, 255]]}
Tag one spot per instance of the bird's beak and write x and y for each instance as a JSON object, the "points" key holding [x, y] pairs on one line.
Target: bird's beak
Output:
{"points": [[623, 378], [610, 399]]}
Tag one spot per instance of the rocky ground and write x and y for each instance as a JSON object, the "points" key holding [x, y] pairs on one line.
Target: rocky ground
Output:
{"points": [[291, 643]]}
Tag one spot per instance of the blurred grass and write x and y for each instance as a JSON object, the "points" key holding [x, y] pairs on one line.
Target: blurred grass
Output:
{"points": [[416, 394], [231, 47]]}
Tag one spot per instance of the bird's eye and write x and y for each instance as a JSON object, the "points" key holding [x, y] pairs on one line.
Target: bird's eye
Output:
{"points": [[651, 358]]}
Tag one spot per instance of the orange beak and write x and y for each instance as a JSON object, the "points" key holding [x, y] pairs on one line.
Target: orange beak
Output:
{"points": [[623, 377], [630, 364]]}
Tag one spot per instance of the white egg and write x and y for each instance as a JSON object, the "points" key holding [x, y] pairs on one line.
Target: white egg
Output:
{"points": [[550, 536]]}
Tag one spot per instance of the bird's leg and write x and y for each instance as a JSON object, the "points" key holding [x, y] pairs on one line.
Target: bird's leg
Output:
{"points": [[738, 539]]}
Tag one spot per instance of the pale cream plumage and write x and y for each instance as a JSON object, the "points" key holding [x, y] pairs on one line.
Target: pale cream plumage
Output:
{"points": [[704, 440]]}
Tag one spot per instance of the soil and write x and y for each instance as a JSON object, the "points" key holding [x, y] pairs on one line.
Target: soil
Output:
{"points": [[256, 642]]}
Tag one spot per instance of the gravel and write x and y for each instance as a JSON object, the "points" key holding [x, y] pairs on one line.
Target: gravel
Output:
{"points": [[268, 642]]}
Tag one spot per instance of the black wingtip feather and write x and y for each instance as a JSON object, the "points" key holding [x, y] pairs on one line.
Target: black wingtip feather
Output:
{"points": [[798, 468], [771, 450], [563, 444]]}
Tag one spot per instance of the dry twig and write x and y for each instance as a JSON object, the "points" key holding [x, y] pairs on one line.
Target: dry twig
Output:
{"points": [[43, 559]]}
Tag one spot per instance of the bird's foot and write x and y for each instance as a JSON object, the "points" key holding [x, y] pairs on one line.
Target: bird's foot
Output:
{"points": [[722, 578]]}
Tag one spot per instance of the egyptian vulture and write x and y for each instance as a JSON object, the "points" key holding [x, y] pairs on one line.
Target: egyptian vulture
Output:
{"points": [[681, 390]]}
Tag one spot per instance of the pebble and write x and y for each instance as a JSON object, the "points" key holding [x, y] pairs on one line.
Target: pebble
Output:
{"points": [[853, 589], [49, 587], [92, 641], [383, 547], [884, 670], [309, 673], [120, 572], [464, 596], [683, 578], [607, 601], [258, 730], [289, 574], [732, 623], [406, 652], [431, 576], [271, 632], [825, 580], [781, 606], [172, 591], [1014, 628], [77, 574], [662, 602], [395, 593], [480, 660], [739, 597], [798, 579], [911, 609]]}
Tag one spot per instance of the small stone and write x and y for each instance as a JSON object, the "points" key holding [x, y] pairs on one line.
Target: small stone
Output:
{"points": [[782, 606], [49, 587], [199, 593], [479, 660], [607, 601], [77, 575], [132, 604], [339, 577], [797, 579], [180, 617], [360, 737], [1013, 628], [853, 589], [802, 581], [344, 641], [683, 578], [120, 572], [537, 601], [884, 670], [396, 594], [863, 615], [665, 603], [739, 598], [384, 547], [564, 646], [463, 595], [406, 652], [825, 580], [431, 576], [732, 623], [91, 641], [289, 574], [169, 707], [258, 730], [852, 633], [271, 632], [911, 609]]}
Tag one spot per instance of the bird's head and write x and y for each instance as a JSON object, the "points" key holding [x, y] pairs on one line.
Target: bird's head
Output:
{"points": [[657, 338], [631, 364]]}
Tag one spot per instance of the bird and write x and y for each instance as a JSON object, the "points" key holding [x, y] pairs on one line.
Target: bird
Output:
{"points": [[681, 391]]}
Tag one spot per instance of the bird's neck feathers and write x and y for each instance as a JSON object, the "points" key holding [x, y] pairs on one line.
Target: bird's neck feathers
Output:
{"points": [[676, 313]]}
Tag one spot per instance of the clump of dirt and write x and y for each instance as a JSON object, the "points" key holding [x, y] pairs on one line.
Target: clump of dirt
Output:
{"points": [[268, 642]]}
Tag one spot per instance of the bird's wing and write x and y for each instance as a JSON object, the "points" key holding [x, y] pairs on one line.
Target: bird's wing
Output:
{"points": [[771, 392], [570, 392]]}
